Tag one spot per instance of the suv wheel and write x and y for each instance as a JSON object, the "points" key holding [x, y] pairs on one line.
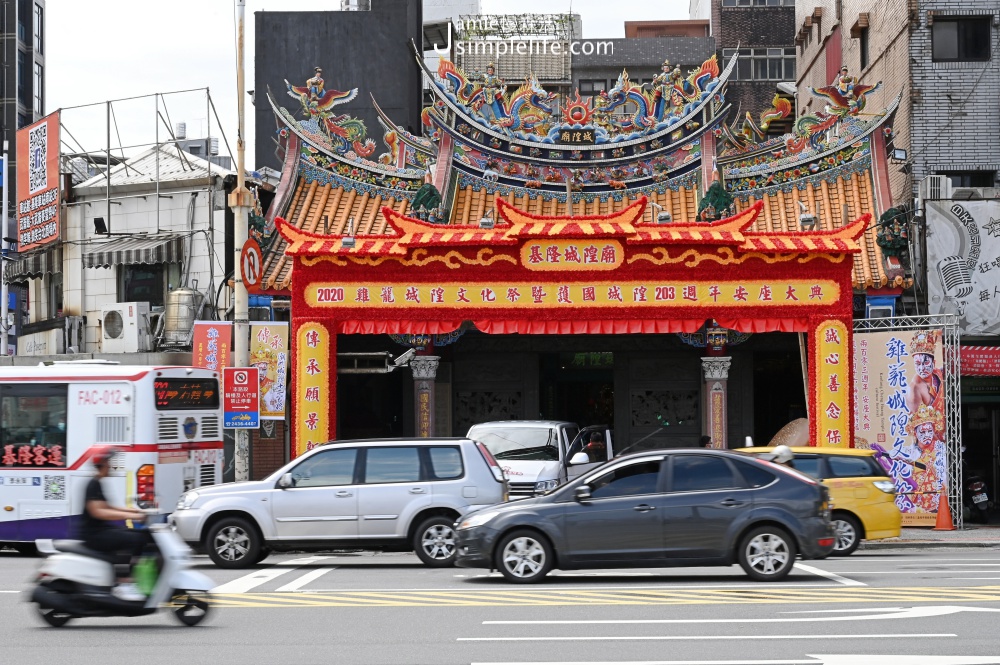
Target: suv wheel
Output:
{"points": [[767, 553], [847, 531], [434, 541], [524, 557], [233, 542]]}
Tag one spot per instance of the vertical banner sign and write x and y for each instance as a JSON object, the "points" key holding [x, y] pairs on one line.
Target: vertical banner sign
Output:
{"points": [[269, 354], [240, 398], [38, 183], [312, 370], [211, 344], [900, 403], [832, 410]]}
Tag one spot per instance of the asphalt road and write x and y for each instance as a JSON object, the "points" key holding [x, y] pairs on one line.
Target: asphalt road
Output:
{"points": [[934, 607]]}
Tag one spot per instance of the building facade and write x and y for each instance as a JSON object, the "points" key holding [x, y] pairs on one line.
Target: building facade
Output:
{"points": [[23, 89], [644, 57]]}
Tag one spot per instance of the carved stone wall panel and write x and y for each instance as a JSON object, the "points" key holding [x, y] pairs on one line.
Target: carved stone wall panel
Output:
{"points": [[652, 408], [477, 406]]}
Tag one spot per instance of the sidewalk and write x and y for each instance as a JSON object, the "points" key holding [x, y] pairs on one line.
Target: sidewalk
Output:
{"points": [[973, 535]]}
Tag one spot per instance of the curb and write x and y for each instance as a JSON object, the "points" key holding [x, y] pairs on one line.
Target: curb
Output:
{"points": [[926, 544]]}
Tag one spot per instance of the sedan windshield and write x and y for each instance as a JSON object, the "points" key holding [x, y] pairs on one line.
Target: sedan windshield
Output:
{"points": [[518, 443]]}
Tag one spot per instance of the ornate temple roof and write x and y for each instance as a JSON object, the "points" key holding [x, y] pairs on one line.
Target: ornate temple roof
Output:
{"points": [[494, 148]]}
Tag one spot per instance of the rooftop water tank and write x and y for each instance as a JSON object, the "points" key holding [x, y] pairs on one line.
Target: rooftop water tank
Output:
{"points": [[181, 131]]}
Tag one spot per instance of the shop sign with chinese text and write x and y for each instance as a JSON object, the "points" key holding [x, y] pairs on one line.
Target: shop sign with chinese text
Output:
{"points": [[38, 183]]}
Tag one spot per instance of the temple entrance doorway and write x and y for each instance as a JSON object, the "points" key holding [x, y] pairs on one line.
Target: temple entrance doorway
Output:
{"points": [[578, 387]]}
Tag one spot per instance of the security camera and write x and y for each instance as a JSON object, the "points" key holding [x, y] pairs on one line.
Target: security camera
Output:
{"points": [[405, 358]]}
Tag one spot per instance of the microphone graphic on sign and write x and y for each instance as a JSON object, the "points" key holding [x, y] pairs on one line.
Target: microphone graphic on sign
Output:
{"points": [[956, 279]]}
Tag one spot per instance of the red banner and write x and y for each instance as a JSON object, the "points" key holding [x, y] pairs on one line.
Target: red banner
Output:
{"points": [[980, 360], [38, 183], [211, 344]]}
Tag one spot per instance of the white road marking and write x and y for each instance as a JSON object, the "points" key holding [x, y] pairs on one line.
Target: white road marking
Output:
{"points": [[828, 575], [10, 592], [635, 587], [700, 638], [303, 580], [833, 659], [251, 581], [899, 613], [301, 562]]}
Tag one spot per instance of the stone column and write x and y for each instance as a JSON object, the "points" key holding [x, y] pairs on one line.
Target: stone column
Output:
{"points": [[424, 372], [715, 422]]}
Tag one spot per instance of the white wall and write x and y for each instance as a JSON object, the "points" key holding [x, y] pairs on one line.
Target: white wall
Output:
{"points": [[87, 290]]}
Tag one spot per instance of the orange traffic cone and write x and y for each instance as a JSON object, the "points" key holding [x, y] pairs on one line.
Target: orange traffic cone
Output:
{"points": [[944, 522]]}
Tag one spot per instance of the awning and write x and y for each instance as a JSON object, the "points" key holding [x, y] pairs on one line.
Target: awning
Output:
{"points": [[34, 264], [131, 250]]}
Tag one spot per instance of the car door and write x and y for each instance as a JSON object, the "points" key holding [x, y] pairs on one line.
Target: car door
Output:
{"points": [[393, 489], [322, 502], [704, 497], [598, 452], [620, 523]]}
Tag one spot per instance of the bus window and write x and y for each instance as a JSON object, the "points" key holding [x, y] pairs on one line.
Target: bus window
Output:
{"points": [[33, 426]]}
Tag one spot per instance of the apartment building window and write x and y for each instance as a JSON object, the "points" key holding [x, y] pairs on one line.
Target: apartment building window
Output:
{"points": [[970, 178], [38, 107], [758, 3], [39, 16], [592, 86], [763, 64], [55, 295], [963, 39], [863, 47]]}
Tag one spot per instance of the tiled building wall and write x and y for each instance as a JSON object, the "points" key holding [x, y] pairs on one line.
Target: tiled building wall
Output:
{"points": [[956, 118], [834, 39], [267, 452], [751, 27]]}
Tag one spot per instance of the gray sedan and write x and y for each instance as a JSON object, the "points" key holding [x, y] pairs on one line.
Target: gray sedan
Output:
{"points": [[656, 509]]}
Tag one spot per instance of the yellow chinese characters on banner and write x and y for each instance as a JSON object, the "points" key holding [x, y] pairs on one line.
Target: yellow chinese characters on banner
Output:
{"points": [[572, 255], [312, 369], [269, 354], [832, 399], [527, 295]]}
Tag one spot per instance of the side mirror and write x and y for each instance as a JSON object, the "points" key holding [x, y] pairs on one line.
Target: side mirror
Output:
{"points": [[286, 481], [579, 458], [582, 493]]}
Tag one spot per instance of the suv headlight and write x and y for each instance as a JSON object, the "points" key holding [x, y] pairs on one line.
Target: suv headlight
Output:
{"points": [[187, 500], [886, 486], [478, 519], [543, 486]]}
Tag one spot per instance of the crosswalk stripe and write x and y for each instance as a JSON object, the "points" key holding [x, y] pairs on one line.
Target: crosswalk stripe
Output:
{"points": [[303, 580], [556, 597], [251, 581]]}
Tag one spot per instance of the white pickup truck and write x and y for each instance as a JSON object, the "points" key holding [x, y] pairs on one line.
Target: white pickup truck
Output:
{"points": [[539, 455]]}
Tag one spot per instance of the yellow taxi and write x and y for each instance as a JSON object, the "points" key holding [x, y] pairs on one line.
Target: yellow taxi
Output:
{"points": [[862, 494]]}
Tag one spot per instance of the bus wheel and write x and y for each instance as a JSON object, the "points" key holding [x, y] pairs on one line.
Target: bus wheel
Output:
{"points": [[233, 542]]}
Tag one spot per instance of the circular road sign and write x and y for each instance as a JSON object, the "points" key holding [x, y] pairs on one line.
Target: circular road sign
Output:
{"points": [[251, 264]]}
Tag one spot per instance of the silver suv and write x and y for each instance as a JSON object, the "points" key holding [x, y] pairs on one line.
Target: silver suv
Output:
{"points": [[395, 495]]}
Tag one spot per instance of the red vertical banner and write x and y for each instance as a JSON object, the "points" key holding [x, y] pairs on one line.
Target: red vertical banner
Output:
{"points": [[38, 183], [211, 344], [314, 386]]}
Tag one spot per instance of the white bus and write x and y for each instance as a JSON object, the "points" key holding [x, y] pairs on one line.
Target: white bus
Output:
{"points": [[166, 420]]}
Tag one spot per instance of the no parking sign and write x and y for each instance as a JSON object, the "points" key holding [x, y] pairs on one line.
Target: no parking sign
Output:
{"points": [[240, 398]]}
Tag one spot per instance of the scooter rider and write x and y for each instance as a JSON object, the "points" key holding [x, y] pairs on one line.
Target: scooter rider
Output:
{"points": [[98, 531]]}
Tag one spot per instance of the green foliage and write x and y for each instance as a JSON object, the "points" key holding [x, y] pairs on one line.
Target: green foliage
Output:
{"points": [[891, 232], [718, 199]]}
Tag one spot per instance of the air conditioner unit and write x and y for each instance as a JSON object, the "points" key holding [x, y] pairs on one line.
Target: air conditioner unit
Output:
{"points": [[880, 312], [935, 187], [125, 327]]}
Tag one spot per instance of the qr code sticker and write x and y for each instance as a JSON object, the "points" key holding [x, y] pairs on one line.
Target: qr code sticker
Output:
{"points": [[38, 153], [55, 488]]}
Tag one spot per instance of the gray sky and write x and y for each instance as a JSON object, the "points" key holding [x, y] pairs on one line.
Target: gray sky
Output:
{"points": [[127, 48]]}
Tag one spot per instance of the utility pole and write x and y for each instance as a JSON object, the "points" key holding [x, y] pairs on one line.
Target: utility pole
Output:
{"points": [[239, 201], [4, 336]]}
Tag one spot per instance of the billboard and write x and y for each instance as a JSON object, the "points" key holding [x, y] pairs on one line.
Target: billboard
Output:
{"points": [[38, 193], [210, 344], [899, 406], [963, 263], [269, 354]]}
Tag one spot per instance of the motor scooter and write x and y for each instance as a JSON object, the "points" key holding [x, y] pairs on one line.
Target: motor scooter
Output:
{"points": [[74, 581], [977, 498]]}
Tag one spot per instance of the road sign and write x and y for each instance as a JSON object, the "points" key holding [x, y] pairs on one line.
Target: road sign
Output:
{"points": [[251, 263], [240, 398]]}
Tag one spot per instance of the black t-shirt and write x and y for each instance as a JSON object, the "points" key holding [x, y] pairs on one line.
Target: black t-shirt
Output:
{"points": [[90, 525]]}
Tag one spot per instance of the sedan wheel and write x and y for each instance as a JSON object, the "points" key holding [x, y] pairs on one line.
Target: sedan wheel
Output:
{"points": [[767, 554], [434, 541], [848, 534], [233, 543], [524, 557]]}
